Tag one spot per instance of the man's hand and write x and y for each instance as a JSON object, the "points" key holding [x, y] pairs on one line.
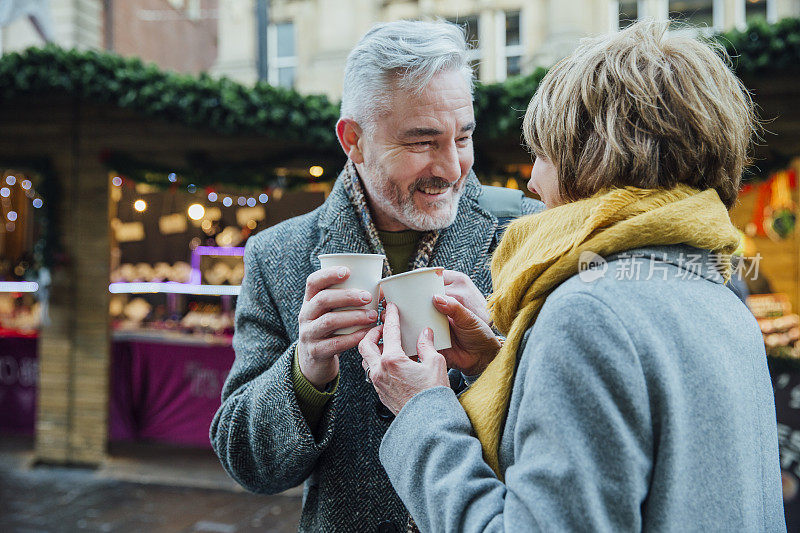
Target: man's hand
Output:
{"points": [[460, 286], [395, 377], [474, 342], [318, 348]]}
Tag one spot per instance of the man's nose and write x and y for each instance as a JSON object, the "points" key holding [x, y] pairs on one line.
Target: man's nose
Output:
{"points": [[447, 164]]}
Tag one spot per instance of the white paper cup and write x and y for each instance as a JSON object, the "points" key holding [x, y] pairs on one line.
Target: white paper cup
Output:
{"points": [[366, 271], [412, 292]]}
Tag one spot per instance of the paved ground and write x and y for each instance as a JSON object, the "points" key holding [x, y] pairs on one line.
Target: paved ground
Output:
{"points": [[123, 496]]}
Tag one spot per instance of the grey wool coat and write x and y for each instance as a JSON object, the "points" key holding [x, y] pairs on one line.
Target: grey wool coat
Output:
{"points": [[641, 402], [259, 433]]}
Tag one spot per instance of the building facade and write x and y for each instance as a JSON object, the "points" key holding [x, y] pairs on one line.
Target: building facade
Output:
{"points": [[304, 43], [179, 35], [68, 23]]}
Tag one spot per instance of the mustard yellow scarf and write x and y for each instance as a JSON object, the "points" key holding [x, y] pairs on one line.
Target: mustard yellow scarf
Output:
{"points": [[539, 252]]}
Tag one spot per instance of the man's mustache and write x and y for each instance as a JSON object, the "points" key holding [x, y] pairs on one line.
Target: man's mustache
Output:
{"points": [[434, 182]]}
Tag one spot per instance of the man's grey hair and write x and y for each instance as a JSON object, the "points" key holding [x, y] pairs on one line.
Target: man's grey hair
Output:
{"points": [[403, 55]]}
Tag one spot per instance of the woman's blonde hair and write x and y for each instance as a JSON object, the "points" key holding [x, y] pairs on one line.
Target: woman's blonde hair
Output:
{"points": [[644, 108]]}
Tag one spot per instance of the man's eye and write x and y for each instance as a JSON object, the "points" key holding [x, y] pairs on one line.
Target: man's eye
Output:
{"points": [[422, 143], [464, 139]]}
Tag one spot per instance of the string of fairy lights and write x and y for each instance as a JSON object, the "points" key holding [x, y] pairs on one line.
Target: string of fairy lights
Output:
{"points": [[11, 188], [196, 211]]}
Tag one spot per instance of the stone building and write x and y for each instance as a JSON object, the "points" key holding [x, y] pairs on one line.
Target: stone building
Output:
{"points": [[304, 43], [179, 35]]}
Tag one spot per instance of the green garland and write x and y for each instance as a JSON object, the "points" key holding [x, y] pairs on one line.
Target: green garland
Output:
{"points": [[219, 105], [227, 107], [763, 47]]}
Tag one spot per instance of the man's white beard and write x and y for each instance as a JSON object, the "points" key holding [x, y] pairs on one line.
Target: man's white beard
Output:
{"points": [[399, 204]]}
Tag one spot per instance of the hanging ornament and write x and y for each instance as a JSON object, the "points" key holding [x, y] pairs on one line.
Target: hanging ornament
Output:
{"points": [[780, 213]]}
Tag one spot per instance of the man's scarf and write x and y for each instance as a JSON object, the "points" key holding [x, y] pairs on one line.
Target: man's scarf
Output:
{"points": [[539, 252], [355, 192]]}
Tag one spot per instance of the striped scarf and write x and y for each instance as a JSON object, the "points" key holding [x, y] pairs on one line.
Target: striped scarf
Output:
{"points": [[355, 192]]}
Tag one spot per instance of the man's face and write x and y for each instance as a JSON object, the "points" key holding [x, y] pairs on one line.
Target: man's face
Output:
{"points": [[417, 157]]}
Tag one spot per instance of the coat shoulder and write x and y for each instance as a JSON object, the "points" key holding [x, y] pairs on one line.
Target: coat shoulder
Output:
{"points": [[287, 241], [531, 206]]}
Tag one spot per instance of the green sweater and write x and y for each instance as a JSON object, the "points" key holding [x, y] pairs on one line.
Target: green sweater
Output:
{"points": [[399, 247]]}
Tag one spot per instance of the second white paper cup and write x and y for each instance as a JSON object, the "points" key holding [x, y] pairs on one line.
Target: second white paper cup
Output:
{"points": [[365, 274], [412, 292]]}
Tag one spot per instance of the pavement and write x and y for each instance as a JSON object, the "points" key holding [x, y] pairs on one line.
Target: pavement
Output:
{"points": [[141, 487]]}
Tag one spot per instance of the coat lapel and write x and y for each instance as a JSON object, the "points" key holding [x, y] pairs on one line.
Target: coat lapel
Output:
{"points": [[340, 229]]}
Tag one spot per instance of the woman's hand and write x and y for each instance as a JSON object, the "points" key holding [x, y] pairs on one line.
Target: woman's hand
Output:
{"points": [[474, 343], [461, 287], [395, 377]]}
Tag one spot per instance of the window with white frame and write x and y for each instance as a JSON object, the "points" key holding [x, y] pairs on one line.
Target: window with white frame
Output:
{"points": [[623, 13], [281, 55], [749, 10], [470, 24], [696, 13], [626, 13], [511, 45]]}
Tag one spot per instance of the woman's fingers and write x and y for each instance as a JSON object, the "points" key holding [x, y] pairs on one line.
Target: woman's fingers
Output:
{"points": [[461, 316], [425, 343], [391, 329], [428, 355]]}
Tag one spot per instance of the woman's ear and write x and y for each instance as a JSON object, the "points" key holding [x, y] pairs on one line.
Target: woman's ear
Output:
{"points": [[349, 133]]}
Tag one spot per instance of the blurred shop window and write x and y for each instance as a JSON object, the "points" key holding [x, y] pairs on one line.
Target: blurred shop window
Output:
{"points": [[510, 63], [282, 57], [470, 25], [703, 14]]}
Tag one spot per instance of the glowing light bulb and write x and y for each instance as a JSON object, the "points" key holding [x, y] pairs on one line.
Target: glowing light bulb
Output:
{"points": [[227, 201], [212, 196], [263, 198], [117, 181], [140, 205], [196, 211], [316, 171]]}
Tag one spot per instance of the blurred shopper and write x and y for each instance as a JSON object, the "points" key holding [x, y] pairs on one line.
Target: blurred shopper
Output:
{"points": [[633, 393], [296, 405]]}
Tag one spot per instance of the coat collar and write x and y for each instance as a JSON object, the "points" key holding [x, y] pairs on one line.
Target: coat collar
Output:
{"points": [[694, 262]]}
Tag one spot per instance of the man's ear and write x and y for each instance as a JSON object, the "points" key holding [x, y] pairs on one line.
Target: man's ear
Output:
{"points": [[349, 133]]}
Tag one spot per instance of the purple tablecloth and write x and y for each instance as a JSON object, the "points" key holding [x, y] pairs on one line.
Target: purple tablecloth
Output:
{"points": [[161, 392], [18, 379], [166, 392]]}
